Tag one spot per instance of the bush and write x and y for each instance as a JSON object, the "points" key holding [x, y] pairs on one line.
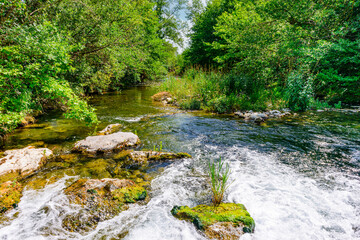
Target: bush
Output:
{"points": [[299, 92], [31, 76]]}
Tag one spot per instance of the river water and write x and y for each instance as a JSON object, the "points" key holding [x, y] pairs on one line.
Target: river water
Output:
{"points": [[299, 177]]}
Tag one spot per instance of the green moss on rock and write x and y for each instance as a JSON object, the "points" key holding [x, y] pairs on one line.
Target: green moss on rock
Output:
{"points": [[129, 194], [10, 194], [227, 215], [101, 200]]}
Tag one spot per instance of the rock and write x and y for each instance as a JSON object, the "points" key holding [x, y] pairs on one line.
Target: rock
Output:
{"points": [[143, 157], [10, 194], [161, 96], [107, 143], [112, 128], [100, 201], [260, 117], [23, 162], [27, 121], [227, 221]]}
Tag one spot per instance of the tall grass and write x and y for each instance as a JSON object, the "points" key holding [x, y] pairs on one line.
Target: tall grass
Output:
{"points": [[218, 92], [219, 177]]}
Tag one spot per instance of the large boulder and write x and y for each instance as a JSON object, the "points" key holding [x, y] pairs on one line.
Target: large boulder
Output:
{"points": [[228, 221], [101, 199], [23, 162], [131, 157], [107, 143]]}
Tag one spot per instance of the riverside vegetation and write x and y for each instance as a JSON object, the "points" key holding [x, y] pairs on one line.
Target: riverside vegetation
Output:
{"points": [[53, 53], [257, 55]]}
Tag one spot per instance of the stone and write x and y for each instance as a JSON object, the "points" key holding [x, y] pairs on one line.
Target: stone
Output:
{"points": [[112, 128], [10, 194], [228, 221], [144, 157], [161, 96], [101, 199], [23, 162], [107, 143]]}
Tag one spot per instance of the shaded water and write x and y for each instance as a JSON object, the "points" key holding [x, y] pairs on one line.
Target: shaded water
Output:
{"points": [[299, 177]]}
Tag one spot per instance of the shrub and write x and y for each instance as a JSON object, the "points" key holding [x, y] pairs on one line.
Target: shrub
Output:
{"points": [[299, 92]]}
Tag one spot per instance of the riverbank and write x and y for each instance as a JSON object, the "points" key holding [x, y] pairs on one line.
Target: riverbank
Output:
{"points": [[228, 93]]}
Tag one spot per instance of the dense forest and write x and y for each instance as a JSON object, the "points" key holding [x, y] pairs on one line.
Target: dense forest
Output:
{"points": [[243, 54]]}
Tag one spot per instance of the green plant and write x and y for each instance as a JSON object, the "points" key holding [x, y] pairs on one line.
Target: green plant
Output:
{"points": [[158, 149], [219, 178]]}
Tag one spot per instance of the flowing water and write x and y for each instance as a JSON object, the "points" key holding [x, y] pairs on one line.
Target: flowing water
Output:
{"points": [[299, 177]]}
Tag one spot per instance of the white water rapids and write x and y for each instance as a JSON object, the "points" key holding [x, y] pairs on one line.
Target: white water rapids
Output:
{"points": [[284, 203]]}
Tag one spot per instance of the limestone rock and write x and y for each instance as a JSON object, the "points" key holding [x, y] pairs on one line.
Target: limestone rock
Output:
{"points": [[10, 193], [161, 96], [261, 116], [23, 162], [144, 157], [107, 143], [228, 221], [112, 128], [101, 199]]}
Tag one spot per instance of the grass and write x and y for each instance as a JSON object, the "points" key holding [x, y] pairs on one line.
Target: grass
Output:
{"points": [[219, 177], [221, 93]]}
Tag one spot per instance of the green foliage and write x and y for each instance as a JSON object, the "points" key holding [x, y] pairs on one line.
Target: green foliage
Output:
{"points": [[275, 42], [217, 92], [52, 52], [32, 75], [299, 91], [219, 177]]}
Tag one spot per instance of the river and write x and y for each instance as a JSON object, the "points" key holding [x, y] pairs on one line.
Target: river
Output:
{"points": [[299, 177]]}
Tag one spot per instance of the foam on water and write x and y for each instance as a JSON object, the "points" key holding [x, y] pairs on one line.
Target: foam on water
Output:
{"points": [[285, 203]]}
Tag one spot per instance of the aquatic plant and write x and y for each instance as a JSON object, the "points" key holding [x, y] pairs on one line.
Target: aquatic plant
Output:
{"points": [[158, 149], [219, 177]]}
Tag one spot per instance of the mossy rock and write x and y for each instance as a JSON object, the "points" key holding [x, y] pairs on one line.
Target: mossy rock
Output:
{"points": [[100, 201], [142, 158], [10, 194], [227, 221]]}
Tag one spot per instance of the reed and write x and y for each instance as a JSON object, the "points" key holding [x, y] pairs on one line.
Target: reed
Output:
{"points": [[219, 180]]}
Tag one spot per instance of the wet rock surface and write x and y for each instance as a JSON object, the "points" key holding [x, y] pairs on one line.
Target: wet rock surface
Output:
{"points": [[101, 199], [262, 116], [228, 221], [107, 143], [23, 162], [10, 194], [112, 128], [144, 157]]}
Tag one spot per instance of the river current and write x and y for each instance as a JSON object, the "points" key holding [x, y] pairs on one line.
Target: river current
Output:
{"points": [[299, 176]]}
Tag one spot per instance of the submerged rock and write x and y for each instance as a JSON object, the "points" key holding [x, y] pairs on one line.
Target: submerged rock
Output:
{"points": [[143, 157], [100, 200], [107, 143], [22, 162], [112, 128], [10, 194], [228, 221]]}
